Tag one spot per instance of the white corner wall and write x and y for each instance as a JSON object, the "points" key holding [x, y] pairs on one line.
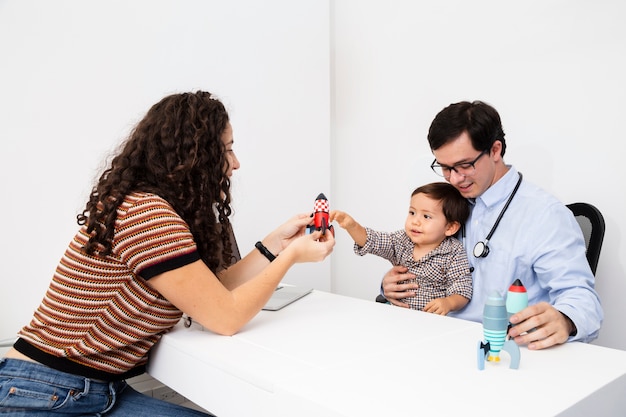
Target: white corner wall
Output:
{"points": [[555, 72], [76, 75]]}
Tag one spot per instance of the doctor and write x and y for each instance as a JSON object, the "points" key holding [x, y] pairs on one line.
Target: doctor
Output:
{"points": [[515, 230]]}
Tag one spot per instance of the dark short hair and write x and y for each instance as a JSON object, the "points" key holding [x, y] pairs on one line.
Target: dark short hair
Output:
{"points": [[480, 120], [455, 206]]}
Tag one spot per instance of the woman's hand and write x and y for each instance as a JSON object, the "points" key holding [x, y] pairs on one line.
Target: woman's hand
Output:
{"points": [[286, 233], [311, 248]]}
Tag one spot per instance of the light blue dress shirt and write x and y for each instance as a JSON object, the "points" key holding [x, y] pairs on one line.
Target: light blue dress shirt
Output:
{"points": [[538, 241]]}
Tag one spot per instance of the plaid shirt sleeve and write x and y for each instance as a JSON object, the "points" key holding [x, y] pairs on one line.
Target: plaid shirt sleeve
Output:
{"points": [[459, 276], [384, 244]]}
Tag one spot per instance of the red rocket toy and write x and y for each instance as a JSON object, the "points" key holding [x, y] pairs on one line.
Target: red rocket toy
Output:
{"points": [[321, 216]]}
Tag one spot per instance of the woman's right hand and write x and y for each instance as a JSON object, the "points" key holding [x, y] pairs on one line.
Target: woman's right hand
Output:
{"points": [[393, 291], [314, 247]]}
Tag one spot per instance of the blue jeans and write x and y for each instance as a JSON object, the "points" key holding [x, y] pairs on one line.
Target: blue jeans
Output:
{"points": [[32, 389]]}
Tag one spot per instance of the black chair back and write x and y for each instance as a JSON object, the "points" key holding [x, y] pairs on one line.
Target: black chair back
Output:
{"points": [[591, 223]]}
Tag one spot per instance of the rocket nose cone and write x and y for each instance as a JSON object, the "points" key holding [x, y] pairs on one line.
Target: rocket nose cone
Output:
{"points": [[321, 196], [517, 286]]}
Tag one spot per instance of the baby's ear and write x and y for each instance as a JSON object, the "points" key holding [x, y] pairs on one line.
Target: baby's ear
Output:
{"points": [[452, 228]]}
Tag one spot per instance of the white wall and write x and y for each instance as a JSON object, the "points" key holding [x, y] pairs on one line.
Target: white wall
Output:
{"points": [[553, 69], [76, 75]]}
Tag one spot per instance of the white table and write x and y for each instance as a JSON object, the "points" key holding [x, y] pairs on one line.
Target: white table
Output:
{"points": [[329, 355]]}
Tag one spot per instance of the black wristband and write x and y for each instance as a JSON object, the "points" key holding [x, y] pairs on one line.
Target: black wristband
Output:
{"points": [[269, 255]]}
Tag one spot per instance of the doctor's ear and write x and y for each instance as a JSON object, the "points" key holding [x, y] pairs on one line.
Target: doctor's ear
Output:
{"points": [[452, 228]]}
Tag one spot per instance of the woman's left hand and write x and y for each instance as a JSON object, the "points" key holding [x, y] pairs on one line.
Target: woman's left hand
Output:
{"points": [[293, 228]]}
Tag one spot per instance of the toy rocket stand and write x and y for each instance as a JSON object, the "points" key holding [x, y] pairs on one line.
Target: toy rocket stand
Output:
{"points": [[509, 346], [324, 227]]}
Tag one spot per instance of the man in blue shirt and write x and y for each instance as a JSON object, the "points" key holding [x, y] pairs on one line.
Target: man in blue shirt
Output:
{"points": [[515, 231]]}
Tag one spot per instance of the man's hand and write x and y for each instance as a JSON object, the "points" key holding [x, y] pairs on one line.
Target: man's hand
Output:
{"points": [[540, 326], [393, 291]]}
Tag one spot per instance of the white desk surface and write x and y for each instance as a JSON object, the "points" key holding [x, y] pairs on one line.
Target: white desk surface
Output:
{"points": [[330, 355]]}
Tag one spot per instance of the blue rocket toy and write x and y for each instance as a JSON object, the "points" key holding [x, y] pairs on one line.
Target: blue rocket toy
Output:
{"points": [[495, 328]]}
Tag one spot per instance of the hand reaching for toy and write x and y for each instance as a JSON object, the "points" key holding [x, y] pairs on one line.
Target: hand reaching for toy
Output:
{"points": [[356, 231]]}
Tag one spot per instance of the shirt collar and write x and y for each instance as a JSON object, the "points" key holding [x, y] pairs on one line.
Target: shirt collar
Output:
{"points": [[501, 190]]}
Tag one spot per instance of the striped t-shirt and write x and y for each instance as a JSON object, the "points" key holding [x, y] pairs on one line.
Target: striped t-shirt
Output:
{"points": [[99, 318]]}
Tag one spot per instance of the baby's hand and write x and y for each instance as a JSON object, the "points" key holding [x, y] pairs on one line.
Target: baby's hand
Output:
{"points": [[356, 231], [439, 306], [343, 218]]}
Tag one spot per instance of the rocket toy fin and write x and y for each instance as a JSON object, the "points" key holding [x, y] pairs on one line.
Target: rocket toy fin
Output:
{"points": [[482, 351], [511, 347]]}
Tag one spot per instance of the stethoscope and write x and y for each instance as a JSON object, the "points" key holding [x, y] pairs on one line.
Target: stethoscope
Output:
{"points": [[481, 249]]}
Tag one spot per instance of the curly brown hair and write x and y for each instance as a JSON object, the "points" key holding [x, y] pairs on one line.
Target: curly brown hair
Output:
{"points": [[175, 151]]}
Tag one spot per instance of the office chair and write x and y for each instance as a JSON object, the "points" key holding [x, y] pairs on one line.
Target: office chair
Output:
{"points": [[591, 223]]}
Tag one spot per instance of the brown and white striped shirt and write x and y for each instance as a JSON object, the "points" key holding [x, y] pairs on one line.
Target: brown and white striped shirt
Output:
{"points": [[99, 318]]}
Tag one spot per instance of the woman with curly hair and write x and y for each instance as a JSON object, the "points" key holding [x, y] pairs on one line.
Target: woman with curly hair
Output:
{"points": [[153, 244]]}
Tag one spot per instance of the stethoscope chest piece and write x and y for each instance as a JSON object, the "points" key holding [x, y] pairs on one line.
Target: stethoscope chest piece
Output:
{"points": [[481, 250]]}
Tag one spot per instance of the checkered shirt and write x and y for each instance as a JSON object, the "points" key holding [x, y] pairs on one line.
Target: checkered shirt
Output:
{"points": [[442, 272]]}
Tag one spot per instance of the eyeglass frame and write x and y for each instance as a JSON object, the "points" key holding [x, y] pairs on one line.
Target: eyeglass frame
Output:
{"points": [[434, 165]]}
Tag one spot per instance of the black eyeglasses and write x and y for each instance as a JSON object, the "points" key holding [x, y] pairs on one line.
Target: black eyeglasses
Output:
{"points": [[466, 169]]}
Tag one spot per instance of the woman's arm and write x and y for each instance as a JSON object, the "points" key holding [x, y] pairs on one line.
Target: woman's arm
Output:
{"points": [[255, 261], [225, 308]]}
